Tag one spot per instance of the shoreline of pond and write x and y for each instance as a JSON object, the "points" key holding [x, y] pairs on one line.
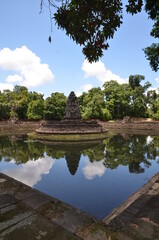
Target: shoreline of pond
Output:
{"points": [[136, 126], [141, 127]]}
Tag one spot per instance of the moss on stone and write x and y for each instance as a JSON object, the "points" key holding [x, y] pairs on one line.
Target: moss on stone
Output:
{"points": [[67, 137], [100, 229]]}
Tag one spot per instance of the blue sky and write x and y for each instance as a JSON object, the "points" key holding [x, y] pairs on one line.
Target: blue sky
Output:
{"points": [[27, 58]]}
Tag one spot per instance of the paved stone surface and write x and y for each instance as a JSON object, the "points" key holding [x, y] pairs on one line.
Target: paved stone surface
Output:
{"points": [[13, 214], [19, 218], [36, 227], [138, 217], [72, 219], [26, 213], [7, 199]]}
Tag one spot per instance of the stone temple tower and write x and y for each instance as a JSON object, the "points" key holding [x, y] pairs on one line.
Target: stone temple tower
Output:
{"points": [[71, 126], [72, 110]]}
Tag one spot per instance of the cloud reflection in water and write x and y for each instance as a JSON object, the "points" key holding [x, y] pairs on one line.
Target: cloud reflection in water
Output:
{"points": [[31, 172], [93, 169]]}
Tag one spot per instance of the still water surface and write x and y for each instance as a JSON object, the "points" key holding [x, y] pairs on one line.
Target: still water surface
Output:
{"points": [[95, 177]]}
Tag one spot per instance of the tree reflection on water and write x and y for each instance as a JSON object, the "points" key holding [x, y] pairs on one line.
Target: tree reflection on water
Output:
{"points": [[133, 151]]}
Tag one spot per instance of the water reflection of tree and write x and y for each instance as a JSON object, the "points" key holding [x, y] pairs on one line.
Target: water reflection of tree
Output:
{"points": [[136, 152], [131, 152], [20, 150], [95, 153]]}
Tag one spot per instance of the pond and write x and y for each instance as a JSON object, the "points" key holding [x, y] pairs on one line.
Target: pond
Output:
{"points": [[95, 177]]}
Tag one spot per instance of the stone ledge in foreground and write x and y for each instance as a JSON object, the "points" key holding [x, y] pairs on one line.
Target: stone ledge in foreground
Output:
{"points": [[138, 217], [26, 213]]}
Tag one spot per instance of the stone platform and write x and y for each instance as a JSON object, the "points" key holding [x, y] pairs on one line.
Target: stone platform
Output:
{"points": [[70, 127], [69, 131]]}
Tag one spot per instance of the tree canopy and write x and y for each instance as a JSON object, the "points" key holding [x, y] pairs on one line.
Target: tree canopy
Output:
{"points": [[113, 101], [91, 23]]}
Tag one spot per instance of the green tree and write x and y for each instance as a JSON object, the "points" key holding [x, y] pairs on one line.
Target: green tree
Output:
{"points": [[135, 80], [152, 52], [5, 107], [4, 110], [54, 106], [152, 9], [20, 90], [22, 108], [19, 102], [138, 95], [92, 23], [15, 103], [152, 98], [35, 109], [92, 105], [35, 96], [117, 98], [88, 23], [154, 108]]}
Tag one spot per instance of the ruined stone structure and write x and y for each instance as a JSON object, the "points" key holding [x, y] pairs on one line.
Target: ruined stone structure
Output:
{"points": [[72, 110], [72, 122]]}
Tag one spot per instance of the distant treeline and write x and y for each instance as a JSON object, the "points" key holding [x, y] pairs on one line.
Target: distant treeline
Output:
{"points": [[113, 101]]}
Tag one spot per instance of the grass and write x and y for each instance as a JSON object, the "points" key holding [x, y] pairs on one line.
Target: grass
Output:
{"points": [[67, 137]]}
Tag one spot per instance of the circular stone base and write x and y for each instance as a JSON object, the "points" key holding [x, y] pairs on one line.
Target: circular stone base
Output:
{"points": [[69, 130], [67, 126], [68, 137]]}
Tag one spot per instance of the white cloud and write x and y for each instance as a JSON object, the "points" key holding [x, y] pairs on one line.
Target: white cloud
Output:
{"points": [[84, 88], [87, 87], [98, 70], [157, 80], [78, 93], [4, 86], [14, 78], [29, 71], [153, 89], [31, 172], [93, 169]]}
